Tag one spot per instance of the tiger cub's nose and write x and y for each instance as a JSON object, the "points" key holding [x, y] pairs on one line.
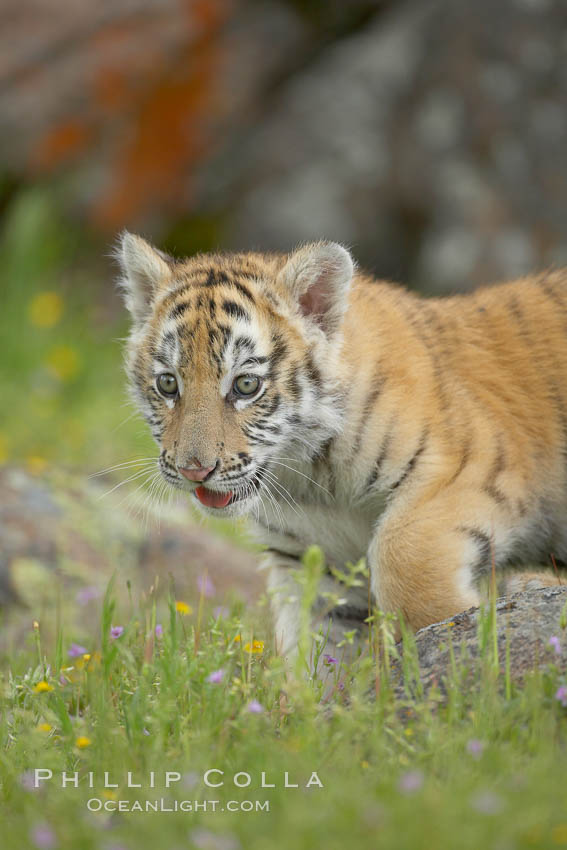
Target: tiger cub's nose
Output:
{"points": [[195, 471]]}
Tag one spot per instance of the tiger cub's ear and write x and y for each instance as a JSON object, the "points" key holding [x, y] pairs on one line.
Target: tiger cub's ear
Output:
{"points": [[144, 271], [319, 277]]}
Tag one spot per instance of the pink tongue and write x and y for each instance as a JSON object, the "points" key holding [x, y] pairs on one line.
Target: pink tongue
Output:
{"points": [[211, 499]]}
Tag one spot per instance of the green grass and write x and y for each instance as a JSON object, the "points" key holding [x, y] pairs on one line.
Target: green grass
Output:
{"points": [[61, 375], [396, 772]]}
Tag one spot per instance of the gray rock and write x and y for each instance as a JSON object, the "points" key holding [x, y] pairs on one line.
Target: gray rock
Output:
{"points": [[431, 141], [525, 623], [60, 539]]}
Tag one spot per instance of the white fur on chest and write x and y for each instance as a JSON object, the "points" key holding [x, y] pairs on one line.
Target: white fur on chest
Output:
{"points": [[311, 516]]}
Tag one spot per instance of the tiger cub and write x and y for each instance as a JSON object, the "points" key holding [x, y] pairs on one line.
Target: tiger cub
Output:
{"points": [[427, 435]]}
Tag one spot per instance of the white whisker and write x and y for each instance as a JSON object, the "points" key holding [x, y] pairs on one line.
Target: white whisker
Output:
{"points": [[277, 507], [303, 475], [283, 492], [125, 464], [134, 477]]}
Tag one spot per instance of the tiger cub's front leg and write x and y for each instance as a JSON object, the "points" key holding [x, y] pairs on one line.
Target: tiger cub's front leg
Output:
{"points": [[327, 627], [424, 559]]}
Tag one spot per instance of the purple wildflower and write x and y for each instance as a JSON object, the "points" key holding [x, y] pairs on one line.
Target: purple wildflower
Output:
{"points": [[87, 594], [205, 585], [147, 732], [27, 780], [190, 779], [221, 611], [486, 803], [330, 659], [475, 748], [555, 644], [116, 631], [561, 695], [159, 630], [75, 650], [43, 836], [410, 782], [216, 677], [255, 707], [203, 839]]}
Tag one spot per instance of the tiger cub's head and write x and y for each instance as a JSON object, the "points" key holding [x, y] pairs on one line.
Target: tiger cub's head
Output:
{"points": [[234, 362]]}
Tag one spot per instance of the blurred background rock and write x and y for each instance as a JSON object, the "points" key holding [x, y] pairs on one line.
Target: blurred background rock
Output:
{"points": [[431, 137]]}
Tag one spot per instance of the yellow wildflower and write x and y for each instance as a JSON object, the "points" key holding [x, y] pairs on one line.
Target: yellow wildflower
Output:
{"points": [[559, 834], [87, 656], [42, 687], [63, 362], [45, 309], [257, 646], [238, 638], [110, 795], [3, 449], [183, 608], [82, 742], [36, 464], [45, 727], [364, 765]]}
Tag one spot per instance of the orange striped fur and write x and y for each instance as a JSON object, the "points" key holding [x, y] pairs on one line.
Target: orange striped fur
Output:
{"points": [[427, 435]]}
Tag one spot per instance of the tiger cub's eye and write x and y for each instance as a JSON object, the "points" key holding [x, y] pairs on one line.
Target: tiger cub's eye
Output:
{"points": [[167, 384], [246, 385]]}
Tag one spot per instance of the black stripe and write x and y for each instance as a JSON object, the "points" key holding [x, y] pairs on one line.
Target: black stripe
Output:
{"points": [[243, 291], [324, 452], [412, 462], [545, 282], [278, 352], [293, 385], [313, 372], [180, 309], [376, 388], [484, 561], [465, 457], [521, 507], [551, 367], [243, 342], [167, 346], [498, 466], [271, 429], [281, 553], [273, 405], [427, 327], [226, 334], [496, 495], [255, 361], [216, 277], [234, 309], [384, 449]]}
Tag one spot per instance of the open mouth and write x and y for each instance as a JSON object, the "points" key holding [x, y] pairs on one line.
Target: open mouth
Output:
{"points": [[217, 499], [213, 498]]}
